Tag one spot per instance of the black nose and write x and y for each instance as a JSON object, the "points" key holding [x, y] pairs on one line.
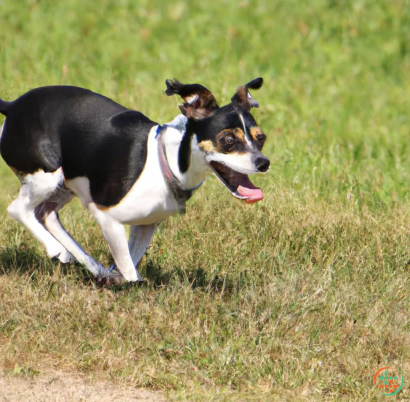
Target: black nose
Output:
{"points": [[262, 163]]}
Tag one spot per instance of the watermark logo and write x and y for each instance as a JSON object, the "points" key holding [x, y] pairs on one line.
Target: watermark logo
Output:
{"points": [[388, 381]]}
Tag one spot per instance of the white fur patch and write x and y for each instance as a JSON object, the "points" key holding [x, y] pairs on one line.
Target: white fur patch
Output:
{"points": [[248, 140], [191, 99], [1, 129], [35, 189], [239, 163], [43, 184]]}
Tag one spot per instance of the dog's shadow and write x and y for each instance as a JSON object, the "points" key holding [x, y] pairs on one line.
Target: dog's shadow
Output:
{"points": [[22, 260], [27, 261], [197, 278]]}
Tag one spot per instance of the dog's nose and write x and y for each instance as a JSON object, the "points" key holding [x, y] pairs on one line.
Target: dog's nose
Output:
{"points": [[262, 163]]}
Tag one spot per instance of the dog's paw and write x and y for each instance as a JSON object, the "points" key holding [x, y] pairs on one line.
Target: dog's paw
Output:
{"points": [[110, 278], [105, 281]]}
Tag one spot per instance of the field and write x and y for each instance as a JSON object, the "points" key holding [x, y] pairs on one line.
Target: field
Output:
{"points": [[303, 296]]}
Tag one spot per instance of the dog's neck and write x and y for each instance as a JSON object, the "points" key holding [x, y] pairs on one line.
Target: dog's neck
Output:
{"points": [[172, 135]]}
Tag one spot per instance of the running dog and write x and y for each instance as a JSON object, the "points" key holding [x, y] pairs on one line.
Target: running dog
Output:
{"points": [[63, 141]]}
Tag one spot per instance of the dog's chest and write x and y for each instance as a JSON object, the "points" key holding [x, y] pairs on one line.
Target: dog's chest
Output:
{"points": [[150, 199]]}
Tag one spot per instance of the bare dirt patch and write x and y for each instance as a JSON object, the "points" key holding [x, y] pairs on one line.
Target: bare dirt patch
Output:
{"points": [[63, 387]]}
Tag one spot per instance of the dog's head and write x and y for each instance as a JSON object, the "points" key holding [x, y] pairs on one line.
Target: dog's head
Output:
{"points": [[229, 136]]}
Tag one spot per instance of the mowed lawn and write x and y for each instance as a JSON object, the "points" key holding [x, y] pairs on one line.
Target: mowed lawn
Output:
{"points": [[303, 296]]}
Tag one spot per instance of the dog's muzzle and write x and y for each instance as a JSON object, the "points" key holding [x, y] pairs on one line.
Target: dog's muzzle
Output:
{"points": [[261, 163]]}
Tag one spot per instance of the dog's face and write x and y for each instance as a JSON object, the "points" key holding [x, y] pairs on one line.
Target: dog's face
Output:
{"points": [[229, 136]]}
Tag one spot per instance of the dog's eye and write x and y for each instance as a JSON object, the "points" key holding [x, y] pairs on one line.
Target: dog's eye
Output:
{"points": [[261, 138], [230, 139]]}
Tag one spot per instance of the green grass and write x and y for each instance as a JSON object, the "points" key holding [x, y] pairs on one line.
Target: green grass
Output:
{"points": [[303, 296]]}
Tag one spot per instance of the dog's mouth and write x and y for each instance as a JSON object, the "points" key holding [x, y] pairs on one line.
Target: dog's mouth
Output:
{"points": [[237, 183]]}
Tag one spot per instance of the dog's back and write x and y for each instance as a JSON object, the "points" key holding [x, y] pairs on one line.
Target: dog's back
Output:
{"points": [[83, 132]]}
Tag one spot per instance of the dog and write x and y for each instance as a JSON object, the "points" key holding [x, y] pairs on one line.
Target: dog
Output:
{"points": [[65, 141]]}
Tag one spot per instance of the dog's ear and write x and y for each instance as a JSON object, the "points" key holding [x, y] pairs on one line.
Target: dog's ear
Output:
{"points": [[199, 101], [243, 99]]}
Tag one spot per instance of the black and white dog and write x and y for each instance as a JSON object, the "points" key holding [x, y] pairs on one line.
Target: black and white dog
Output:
{"points": [[63, 141]]}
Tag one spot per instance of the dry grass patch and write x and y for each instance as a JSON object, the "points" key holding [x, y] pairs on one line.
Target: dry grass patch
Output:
{"points": [[308, 300]]}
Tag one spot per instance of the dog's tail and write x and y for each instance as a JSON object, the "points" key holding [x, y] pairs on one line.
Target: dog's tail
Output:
{"points": [[4, 107]]}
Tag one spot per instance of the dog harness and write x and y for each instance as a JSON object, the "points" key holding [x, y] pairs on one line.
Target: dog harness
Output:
{"points": [[181, 195]]}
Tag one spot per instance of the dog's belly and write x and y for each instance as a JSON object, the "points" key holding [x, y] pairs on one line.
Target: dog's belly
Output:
{"points": [[145, 207], [149, 200], [155, 215]]}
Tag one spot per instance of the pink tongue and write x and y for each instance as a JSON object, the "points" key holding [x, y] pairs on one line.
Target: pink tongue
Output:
{"points": [[252, 194]]}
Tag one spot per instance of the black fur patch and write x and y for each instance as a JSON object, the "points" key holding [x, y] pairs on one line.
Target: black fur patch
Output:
{"points": [[223, 118], [242, 100], [184, 152], [4, 107], [85, 133]]}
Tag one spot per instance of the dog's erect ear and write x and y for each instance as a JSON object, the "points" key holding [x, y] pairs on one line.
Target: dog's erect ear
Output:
{"points": [[243, 99], [199, 101]]}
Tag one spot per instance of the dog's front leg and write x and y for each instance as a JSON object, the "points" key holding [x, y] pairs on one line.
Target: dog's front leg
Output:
{"points": [[116, 238], [54, 226], [140, 238]]}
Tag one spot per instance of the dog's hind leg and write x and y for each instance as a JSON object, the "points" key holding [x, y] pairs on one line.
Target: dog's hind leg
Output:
{"points": [[47, 214], [34, 190], [138, 242], [55, 227], [53, 224]]}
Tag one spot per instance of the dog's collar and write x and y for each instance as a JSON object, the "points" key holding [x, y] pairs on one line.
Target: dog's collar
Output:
{"points": [[180, 194]]}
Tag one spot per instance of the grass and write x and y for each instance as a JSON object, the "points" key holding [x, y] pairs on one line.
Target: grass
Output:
{"points": [[303, 296]]}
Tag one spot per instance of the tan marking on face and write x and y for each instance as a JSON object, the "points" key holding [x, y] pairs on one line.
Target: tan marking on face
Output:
{"points": [[240, 138], [255, 131], [207, 146], [239, 134]]}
